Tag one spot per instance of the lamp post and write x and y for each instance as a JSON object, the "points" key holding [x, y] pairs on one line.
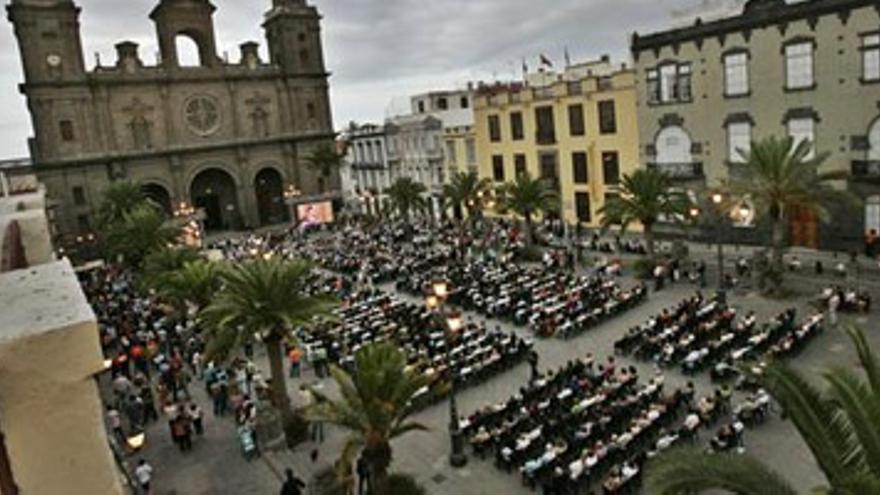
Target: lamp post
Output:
{"points": [[717, 200], [452, 324]]}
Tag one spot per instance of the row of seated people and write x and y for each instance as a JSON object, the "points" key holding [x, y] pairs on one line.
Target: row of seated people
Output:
{"points": [[477, 353], [566, 430], [549, 302], [847, 300], [781, 338], [692, 333]]}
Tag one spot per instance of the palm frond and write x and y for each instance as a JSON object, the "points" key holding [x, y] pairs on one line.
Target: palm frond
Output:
{"points": [[690, 470]]}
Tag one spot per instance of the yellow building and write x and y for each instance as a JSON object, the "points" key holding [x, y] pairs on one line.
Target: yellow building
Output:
{"points": [[578, 129]]}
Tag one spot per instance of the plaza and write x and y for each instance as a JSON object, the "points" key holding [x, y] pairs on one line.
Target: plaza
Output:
{"points": [[648, 268]]}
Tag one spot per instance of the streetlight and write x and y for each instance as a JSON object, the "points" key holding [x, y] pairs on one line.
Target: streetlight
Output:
{"points": [[452, 324], [717, 200]]}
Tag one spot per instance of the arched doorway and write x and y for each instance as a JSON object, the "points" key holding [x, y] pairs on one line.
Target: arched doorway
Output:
{"points": [[214, 191], [269, 187], [158, 195]]}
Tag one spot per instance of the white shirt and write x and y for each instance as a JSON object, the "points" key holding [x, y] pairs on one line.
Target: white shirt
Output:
{"points": [[144, 473]]}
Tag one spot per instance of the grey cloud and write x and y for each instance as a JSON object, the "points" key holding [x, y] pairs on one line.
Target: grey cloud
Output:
{"points": [[377, 49]]}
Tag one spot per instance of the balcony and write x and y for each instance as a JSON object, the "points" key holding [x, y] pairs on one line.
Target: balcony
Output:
{"points": [[680, 171], [866, 169]]}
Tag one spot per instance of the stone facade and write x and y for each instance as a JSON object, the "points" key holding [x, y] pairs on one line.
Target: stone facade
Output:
{"points": [[227, 137], [809, 69]]}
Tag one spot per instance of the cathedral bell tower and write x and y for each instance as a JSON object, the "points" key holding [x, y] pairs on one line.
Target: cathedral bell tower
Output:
{"points": [[293, 31], [190, 18], [48, 39]]}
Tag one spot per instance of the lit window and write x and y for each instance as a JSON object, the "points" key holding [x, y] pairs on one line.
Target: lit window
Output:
{"points": [[803, 129], [736, 74], [739, 141], [799, 65], [871, 57]]}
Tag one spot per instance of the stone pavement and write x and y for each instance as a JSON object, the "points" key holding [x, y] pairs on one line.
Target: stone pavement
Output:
{"points": [[216, 467]]}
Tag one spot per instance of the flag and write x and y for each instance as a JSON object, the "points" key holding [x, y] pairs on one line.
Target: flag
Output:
{"points": [[525, 66], [546, 61], [567, 58]]}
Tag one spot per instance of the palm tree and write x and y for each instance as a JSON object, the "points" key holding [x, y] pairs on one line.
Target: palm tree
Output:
{"points": [[526, 198], [407, 195], [374, 408], [159, 264], [195, 283], [643, 196], [263, 299], [779, 177], [839, 425], [324, 159], [466, 190], [117, 199], [138, 233]]}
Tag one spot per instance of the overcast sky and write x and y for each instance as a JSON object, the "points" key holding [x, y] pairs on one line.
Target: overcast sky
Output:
{"points": [[379, 50]]}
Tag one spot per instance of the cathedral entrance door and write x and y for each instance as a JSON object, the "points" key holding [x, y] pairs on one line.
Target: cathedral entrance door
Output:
{"points": [[215, 191], [213, 213], [269, 188]]}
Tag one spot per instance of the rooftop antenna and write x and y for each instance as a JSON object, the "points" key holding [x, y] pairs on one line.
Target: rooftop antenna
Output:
{"points": [[97, 59]]}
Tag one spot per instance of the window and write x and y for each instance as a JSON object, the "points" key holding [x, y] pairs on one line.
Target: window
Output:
{"points": [[801, 129], [579, 167], [673, 145], [66, 128], [874, 141], [739, 141], [83, 222], [79, 196], [519, 163], [442, 104], [450, 152], [576, 120], [465, 103], [549, 169], [546, 132], [421, 106], [799, 65], [470, 151], [516, 126], [610, 167], [582, 207], [736, 74], [669, 83], [498, 168], [871, 57], [310, 110], [575, 88], [607, 117], [494, 129]]}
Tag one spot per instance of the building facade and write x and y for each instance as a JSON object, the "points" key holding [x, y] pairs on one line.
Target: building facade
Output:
{"points": [[226, 137], [367, 158], [809, 70], [577, 129]]}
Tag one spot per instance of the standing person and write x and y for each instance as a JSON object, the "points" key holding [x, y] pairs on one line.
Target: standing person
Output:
{"points": [[115, 421], [833, 305], [533, 364], [195, 412], [295, 356], [363, 472], [293, 485], [144, 474]]}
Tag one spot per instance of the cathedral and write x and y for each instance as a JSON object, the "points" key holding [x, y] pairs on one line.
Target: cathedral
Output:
{"points": [[230, 138]]}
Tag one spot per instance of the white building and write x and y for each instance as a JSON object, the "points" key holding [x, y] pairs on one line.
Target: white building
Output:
{"points": [[367, 173]]}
